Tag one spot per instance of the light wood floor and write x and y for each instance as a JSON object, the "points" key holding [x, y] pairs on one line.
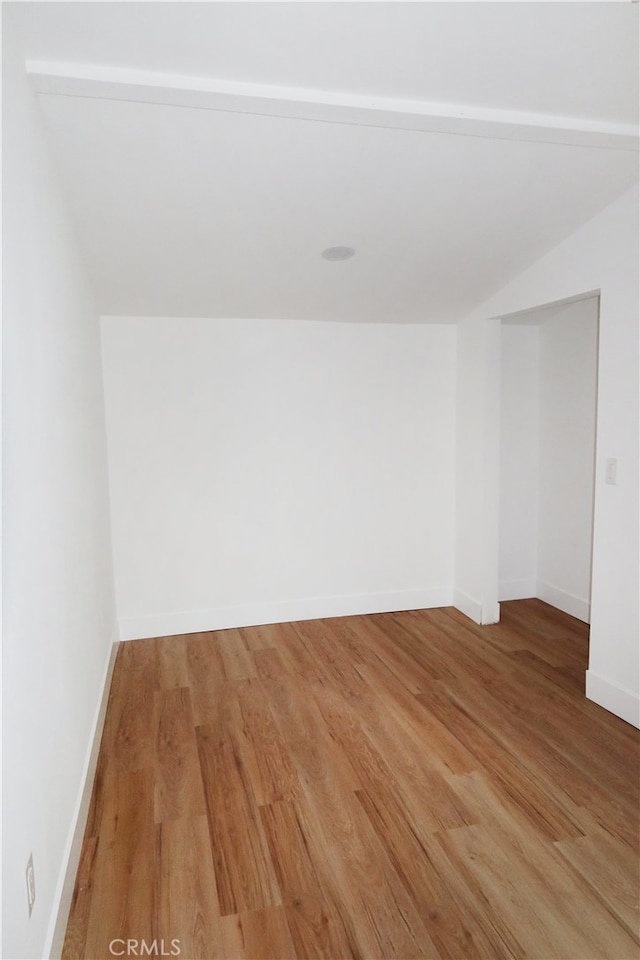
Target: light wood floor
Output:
{"points": [[401, 785]]}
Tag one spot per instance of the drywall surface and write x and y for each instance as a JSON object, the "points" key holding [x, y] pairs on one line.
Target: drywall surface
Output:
{"points": [[519, 461], [601, 256], [59, 614], [271, 470], [568, 362], [477, 469]]}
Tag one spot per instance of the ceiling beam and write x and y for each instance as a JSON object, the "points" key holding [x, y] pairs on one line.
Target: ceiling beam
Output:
{"points": [[110, 83]]}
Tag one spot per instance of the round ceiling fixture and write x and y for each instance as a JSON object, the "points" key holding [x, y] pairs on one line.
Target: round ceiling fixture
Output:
{"points": [[338, 253]]}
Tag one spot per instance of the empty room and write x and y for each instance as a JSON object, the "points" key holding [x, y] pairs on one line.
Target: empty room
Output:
{"points": [[320, 480]]}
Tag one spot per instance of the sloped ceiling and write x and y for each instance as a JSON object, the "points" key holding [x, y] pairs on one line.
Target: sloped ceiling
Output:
{"points": [[211, 151]]}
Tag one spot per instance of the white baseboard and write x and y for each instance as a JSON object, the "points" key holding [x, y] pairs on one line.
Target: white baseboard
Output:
{"points": [[73, 848], [467, 605], [476, 611], [491, 613], [285, 611], [574, 606], [517, 589], [613, 697]]}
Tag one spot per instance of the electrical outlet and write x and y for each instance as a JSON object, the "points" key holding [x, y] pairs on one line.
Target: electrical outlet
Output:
{"points": [[31, 884]]}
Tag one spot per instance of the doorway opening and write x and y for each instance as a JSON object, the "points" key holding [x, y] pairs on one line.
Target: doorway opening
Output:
{"points": [[548, 405]]}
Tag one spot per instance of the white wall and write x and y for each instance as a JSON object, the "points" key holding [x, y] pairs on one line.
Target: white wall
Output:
{"points": [[602, 255], [59, 615], [477, 469], [268, 470], [519, 460], [568, 362]]}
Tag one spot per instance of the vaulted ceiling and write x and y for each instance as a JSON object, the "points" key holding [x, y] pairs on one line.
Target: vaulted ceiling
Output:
{"points": [[211, 151]]}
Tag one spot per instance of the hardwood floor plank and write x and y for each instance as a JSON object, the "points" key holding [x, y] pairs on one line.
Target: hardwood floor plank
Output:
{"points": [[366, 742], [332, 660], [489, 929], [528, 910], [417, 724], [347, 633], [253, 935], [543, 861], [542, 921], [187, 907], [275, 777], [317, 931], [296, 872], [76, 933], [535, 618], [172, 662], [483, 661], [556, 642], [560, 675], [319, 927], [129, 730], [228, 939], [454, 934], [122, 902], [244, 873], [362, 879], [405, 785], [266, 934], [393, 656], [264, 637], [612, 872], [315, 756], [236, 658], [96, 804], [548, 751], [178, 784], [269, 664], [337, 833], [299, 660], [551, 817], [207, 680]]}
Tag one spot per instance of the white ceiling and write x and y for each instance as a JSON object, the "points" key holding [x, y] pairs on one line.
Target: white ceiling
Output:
{"points": [[574, 59], [218, 207]]}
